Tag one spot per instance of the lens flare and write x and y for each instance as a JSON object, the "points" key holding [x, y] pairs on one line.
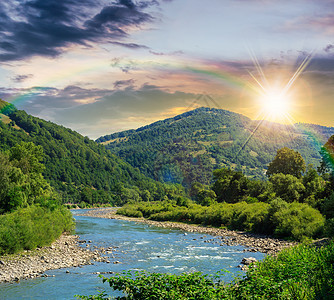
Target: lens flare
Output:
{"points": [[275, 105], [275, 102]]}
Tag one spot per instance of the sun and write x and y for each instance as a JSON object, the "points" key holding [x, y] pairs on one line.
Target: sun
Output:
{"points": [[275, 92], [276, 106]]}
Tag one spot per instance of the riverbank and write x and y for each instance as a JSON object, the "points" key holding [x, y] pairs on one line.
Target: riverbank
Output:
{"points": [[254, 242], [65, 252]]}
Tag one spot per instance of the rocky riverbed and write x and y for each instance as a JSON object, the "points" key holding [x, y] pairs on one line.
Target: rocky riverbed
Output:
{"points": [[63, 253], [253, 242]]}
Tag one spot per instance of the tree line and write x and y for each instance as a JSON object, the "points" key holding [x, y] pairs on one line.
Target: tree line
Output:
{"points": [[296, 202]]}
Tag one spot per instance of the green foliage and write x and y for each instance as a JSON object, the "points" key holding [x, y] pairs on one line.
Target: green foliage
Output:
{"points": [[6, 108], [327, 154], [230, 186], [31, 227], [22, 182], [202, 194], [233, 186], [77, 168], [287, 161], [36, 218], [12, 185], [329, 228], [27, 157], [187, 148], [287, 187], [328, 206], [296, 220], [144, 285], [302, 272], [292, 220]]}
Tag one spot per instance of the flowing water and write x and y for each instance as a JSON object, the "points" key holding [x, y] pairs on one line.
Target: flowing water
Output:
{"points": [[139, 247]]}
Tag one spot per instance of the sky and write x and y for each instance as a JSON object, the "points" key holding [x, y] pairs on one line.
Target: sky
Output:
{"points": [[101, 66]]}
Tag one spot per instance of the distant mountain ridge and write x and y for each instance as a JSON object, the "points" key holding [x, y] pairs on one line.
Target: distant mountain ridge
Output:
{"points": [[187, 147]]}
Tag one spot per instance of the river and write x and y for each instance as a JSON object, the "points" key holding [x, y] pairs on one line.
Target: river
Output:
{"points": [[139, 247]]}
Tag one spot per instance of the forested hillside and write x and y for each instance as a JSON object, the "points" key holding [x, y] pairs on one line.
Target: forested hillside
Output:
{"points": [[77, 167], [188, 147]]}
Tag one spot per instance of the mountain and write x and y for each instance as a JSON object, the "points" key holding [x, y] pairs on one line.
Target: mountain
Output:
{"points": [[77, 167], [190, 146]]}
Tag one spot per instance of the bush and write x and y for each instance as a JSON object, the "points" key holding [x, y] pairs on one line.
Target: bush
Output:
{"points": [[328, 206], [250, 217], [144, 285], [32, 227], [297, 220], [291, 220], [302, 272], [329, 227]]}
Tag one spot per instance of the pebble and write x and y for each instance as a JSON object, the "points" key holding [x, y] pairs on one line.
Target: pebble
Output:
{"points": [[63, 253]]}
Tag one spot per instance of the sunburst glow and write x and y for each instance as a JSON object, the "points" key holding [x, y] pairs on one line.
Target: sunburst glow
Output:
{"points": [[276, 106], [275, 103], [275, 99]]}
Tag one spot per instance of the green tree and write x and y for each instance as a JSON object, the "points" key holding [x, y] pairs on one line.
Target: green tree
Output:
{"points": [[327, 153], [287, 187], [27, 156], [12, 185], [230, 186], [287, 161], [314, 187], [328, 207], [206, 197], [21, 179]]}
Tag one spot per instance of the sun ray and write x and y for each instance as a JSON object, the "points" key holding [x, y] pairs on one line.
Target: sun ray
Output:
{"points": [[250, 136], [258, 82], [258, 67], [298, 72], [275, 101]]}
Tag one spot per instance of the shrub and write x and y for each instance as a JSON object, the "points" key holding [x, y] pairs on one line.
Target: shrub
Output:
{"points": [[328, 206], [144, 285], [297, 220], [302, 272], [329, 227], [294, 220], [32, 227]]}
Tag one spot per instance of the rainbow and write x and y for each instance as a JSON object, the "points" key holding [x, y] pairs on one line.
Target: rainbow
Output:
{"points": [[326, 151], [224, 75], [328, 154]]}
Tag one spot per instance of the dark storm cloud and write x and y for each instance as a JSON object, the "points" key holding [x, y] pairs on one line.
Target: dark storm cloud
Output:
{"points": [[127, 3], [38, 99], [122, 83], [115, 19], [322, 64], [179, 52], [130, 45], [329, 48], [143, 102], [47, 27], [125, 67], [20, 78]]}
